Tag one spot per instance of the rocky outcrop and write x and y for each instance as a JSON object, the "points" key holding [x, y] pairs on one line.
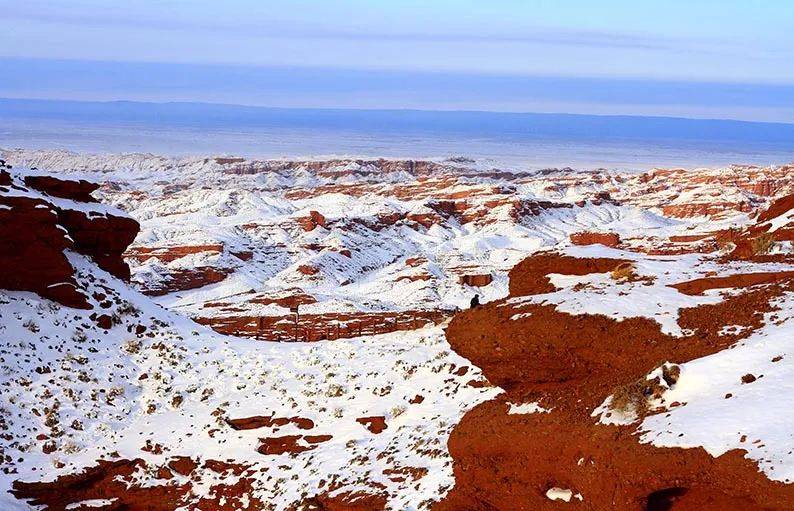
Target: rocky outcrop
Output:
{"points": [[318, 327], [31, 252], [101, 237], [35, 230], [109, 481], [529, 277], [189, 278], [568, 364], [170, 254], [757, 241], [608, 239], [374, 425], [65, 189], [311, 222], [478, 280]]}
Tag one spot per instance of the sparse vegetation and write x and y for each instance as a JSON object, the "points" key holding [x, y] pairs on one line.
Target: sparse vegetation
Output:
{"points": [[623, 271], [31, 325], [762, 244], [635, 397], [630, 398]]}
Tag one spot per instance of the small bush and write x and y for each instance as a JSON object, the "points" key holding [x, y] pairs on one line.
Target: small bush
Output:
{"points": [[31, 325], [630, 398], [762, 244], [623, 271]]}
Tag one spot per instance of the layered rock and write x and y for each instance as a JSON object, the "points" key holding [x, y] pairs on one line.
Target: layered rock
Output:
{"points": [[609, 239], [41, 217]]}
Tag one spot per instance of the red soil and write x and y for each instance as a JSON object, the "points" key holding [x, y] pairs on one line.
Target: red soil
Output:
{"points": [[529, 276], [358, 501], [571, 364]]}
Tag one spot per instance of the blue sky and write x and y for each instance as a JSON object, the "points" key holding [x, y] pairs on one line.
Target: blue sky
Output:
{"points": [[696, 58]]}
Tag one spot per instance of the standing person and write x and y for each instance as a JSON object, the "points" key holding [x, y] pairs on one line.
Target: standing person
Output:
{"points": [[475, 302]]}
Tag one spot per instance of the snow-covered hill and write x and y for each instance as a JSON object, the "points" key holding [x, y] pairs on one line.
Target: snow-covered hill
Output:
{"points": [[228, 241], [622, 313]]}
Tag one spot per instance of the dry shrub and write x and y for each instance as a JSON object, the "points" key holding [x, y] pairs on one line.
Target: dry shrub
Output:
{"points": [[630, 398], [634, 397], [623, 271], [762, 244], [725, 245]]}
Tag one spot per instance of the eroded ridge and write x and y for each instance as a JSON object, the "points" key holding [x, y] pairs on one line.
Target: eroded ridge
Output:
{"points": [[589, 352]]}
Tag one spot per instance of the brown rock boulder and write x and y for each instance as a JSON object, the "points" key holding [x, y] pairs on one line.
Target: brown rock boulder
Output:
{"points": [[608, 239], [311, 222], [79, 191], [34, 233], [31, 252], [475, 280]]}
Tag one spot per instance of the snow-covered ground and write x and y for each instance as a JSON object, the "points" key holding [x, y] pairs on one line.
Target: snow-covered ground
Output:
{"points": [[722, 412], [93, 392], [73, 393]]}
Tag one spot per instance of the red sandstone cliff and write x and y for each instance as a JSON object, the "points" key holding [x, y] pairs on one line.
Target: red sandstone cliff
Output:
{"points": [[41, 217]]}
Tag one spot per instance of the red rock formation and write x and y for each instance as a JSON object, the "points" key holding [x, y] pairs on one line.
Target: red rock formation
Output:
{"points": [[268, 421], [34, 233], [570, 363], [710, 209], [609, 239], [114, 480], [750, 242], [103, 238], [290, 444], [307, 269], [169, 254], [31, 252], [529, 276], [317, 327], [699, 286], [311, 222], [75, 190], [181, 280], [243, 255], [479, 280], [777, 208], [374, 425], [415, 261], [285, 301]]}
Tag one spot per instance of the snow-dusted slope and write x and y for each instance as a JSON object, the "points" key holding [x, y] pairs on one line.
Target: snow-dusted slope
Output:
{"points": [[131, 402], [74, 393], [228, 240]]}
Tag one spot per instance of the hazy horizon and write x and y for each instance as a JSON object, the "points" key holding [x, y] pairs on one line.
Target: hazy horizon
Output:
{"points": [[513, 140]]}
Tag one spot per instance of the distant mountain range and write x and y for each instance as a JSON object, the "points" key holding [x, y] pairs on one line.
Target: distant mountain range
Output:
{"points": [[518, 126]]}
